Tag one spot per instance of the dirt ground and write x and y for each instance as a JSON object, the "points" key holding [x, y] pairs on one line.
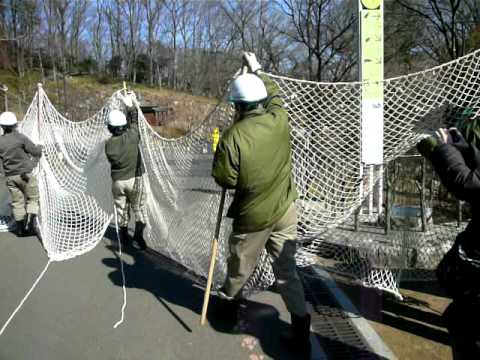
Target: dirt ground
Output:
{"points": [[411, 328]]}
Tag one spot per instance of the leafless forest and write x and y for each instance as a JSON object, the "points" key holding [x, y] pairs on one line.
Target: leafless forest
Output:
{"points": [[194, 45]]}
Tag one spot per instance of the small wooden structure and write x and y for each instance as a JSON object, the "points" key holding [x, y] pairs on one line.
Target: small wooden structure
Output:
{"points": [[156, 115]]}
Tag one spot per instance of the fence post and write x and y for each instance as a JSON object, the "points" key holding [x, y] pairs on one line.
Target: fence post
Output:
{"points": [[422, 195], [357, 218], [387, 200], [459, 213], [371, 183], [380, 191]]}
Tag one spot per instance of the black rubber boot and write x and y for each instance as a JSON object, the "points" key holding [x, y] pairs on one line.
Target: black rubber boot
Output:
{"points": [[124, 237], [29, 229], [298, 336], [19, 230], [138, 235], [225, 310]]}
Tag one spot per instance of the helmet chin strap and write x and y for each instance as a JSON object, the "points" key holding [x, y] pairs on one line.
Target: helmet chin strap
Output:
{"points": [[244, 107], [8, 129], [116, 130]]}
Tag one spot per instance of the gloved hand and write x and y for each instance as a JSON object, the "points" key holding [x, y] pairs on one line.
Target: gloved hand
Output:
{"points": [[427, 146], [251, 61], [458, 140], [468, 151], [129, 99]]}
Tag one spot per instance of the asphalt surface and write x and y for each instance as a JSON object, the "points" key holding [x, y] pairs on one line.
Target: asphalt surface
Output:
{"points": [[71, 313]]}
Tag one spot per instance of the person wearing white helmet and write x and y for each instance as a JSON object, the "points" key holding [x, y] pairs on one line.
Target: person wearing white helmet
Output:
{"points": [[126, 170], [18, 157], [253, 157]]}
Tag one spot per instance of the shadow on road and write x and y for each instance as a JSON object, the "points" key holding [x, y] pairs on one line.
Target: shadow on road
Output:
{"points": [[171, 284]]}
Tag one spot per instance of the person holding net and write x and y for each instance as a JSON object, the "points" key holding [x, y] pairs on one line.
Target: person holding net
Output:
{"points": [[18, 157], [455, 157], [254, 158], [126, 170]]}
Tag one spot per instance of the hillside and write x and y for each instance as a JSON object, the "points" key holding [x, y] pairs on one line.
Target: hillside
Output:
{"points": [[86, 95]]}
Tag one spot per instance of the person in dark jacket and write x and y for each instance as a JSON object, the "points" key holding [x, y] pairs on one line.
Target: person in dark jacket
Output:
{"points": [[126, 170], [18, 157], [456, 160], [254, 158]]}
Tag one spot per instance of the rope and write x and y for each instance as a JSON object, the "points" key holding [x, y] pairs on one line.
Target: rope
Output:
{"points": [[124, 305], [25, 297]]}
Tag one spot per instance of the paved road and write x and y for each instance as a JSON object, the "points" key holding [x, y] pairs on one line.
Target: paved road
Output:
{"points": [[70, 315]]}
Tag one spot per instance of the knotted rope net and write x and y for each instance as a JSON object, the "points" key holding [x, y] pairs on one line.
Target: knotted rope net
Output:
{"points": [[341, 200]]}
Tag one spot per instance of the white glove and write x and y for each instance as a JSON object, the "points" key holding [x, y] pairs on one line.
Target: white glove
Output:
{"points": [[241, 71], [129, 99], [251, 60]]}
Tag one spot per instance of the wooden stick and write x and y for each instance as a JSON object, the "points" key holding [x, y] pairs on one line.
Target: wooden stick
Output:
{"points": [[213, 258]]}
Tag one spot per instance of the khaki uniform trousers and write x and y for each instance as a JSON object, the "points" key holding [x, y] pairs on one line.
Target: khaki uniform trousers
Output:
{"points": [[24, 191], [280, 242], [129, 193]]}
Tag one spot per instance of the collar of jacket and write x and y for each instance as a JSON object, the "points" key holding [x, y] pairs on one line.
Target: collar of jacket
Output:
{"points": [[11, 132], [255, 112]]}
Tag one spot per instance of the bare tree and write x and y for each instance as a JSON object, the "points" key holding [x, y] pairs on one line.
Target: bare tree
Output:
{"points": [[192, 20], [49, 13], [98, 33], [132, 10], [153, 10], [448, 24], [15, 35], [61, 8], [271, 44], [76, 16], [217, 43], [315, 24], [196, 45], [31, 22], [174, 8], [241, 15], [113, 14]]}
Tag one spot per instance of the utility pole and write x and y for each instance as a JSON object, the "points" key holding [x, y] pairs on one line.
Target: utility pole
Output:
{"points": [[371, 74]]}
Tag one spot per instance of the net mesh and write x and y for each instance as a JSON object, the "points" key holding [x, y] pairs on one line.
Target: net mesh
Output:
{"points": [[341, 204]]}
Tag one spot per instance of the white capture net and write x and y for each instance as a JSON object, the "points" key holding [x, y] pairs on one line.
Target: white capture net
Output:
{"points": [[335, 188], [73, 176]]}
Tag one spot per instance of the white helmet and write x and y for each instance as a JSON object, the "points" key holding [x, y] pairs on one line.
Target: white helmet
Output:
{"points": [[8, 119], [248, 88], [116, 118]]}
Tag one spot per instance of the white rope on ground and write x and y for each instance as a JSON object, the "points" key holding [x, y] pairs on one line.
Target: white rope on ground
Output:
{"points": [[25, 297], [124, 305]]}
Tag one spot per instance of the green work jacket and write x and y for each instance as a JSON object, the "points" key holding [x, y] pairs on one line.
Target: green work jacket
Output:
{"points": [[254, 158], [122, 151]]}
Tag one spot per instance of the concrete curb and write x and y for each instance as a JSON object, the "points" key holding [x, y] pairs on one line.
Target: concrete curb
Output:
{"points": [[370, 336]]}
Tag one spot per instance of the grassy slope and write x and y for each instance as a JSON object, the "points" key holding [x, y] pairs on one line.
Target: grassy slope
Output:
{"points": [[85, 96]]}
